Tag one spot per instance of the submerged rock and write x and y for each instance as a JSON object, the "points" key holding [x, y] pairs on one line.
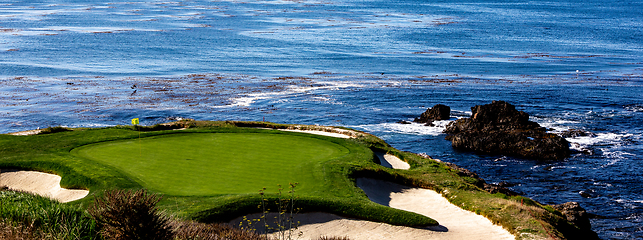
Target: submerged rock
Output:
{"points": [[572, 133], [498, 128], [437, 112]]}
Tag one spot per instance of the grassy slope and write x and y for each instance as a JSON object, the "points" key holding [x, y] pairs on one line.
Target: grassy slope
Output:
{"points": [[51, 153]]}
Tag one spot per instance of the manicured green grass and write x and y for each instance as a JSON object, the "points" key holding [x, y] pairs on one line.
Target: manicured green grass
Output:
{"points": [[324, 171], [217, 163], [212, 172]]}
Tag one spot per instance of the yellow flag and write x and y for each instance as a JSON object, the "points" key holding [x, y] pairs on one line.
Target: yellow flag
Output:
{"points": [[135, 121]]}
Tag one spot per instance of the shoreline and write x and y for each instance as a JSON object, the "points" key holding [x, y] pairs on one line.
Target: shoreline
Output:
{"points": [[476, 201]]}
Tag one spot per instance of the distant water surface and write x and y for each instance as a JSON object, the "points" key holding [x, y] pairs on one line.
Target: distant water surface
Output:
{"points": [[367, 64]]}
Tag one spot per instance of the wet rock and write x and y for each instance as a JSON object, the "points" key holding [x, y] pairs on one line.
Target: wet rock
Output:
{"points": [[404, 122], [437, 112], [498, 128], [577, 215], [572, 133], [586, 194], [506, 184]]}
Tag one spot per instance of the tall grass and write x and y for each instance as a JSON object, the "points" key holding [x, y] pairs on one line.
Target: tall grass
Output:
{"points": [[37, 217]]}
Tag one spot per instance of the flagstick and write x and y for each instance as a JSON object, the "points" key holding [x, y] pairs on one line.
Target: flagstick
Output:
{"points": [[140, 148]]}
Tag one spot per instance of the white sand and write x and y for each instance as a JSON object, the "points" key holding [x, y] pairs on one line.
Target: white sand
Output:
{"points": [[329, 134], [25, 133], [391, 161], [455, 223], [43, 184]]}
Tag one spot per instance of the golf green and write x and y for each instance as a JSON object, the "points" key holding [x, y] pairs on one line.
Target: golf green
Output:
{"points": [[195, 164]]}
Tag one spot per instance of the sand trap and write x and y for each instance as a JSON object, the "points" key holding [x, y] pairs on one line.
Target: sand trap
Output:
{"points": [[455, 223], [329, 134], [25, 133], [43, 184], [391, 161]]}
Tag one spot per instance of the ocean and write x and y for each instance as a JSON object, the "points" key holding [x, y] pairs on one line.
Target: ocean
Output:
{"points": [[364, 64]]}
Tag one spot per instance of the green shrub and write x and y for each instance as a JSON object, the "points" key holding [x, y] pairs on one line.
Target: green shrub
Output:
{"points": [[56, 129]]}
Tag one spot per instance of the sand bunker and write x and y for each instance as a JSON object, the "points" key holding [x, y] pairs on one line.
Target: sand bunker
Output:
{"points": [[43, 184], [317, 132], [455, 223], [25, 133], [391, 161]]}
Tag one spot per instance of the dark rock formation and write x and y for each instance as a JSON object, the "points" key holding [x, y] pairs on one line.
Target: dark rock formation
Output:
{"points": [[498, 128], [577, 215], [437, 112], [572, 133]]}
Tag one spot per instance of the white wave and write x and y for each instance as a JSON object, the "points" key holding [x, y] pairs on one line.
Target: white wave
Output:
{"points": [[460, 114], [249, 99], [634, 108], [557, 124], [57, 29], [614, 157], [628, 201], [413, 128], [579, 143]]}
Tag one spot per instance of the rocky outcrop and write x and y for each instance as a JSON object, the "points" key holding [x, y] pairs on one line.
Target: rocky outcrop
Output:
{"points": [[437, 112], [577, 215], [574, 213], [498, 128]]}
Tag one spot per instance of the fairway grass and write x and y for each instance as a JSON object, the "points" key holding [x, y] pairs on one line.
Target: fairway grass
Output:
{"points": [[198, 164]]}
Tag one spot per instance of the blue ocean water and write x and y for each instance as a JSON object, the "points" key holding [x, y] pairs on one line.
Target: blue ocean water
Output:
{"points": [[365, 64]]}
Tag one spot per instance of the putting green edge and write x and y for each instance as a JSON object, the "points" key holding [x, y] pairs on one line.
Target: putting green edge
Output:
{"points": [[52, 153]]}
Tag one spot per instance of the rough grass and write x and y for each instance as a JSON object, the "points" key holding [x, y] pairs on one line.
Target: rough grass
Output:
{"points": [[51, 153], [126, 215], [25, 216]]}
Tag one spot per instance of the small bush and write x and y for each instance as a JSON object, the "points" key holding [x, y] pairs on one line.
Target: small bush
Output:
{"points": [[130, 215], [333, 238], [185, 230], [56, 129]]}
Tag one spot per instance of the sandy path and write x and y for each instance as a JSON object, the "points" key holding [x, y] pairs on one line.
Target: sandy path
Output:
{"points": [[43, 184], [455, 223]]}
